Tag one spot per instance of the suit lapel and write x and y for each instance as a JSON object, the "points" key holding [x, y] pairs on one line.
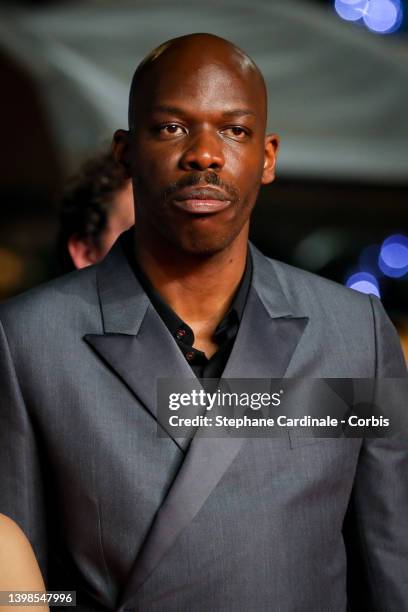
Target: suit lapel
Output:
{"points": [[140, 360], [267, 338], [135, 344]]}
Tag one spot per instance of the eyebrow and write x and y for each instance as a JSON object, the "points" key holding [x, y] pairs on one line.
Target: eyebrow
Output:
{"points": [[176, 110], [239, 112]]}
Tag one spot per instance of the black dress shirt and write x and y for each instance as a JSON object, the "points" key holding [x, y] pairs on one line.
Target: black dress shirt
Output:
{"points": [[224, 334]]}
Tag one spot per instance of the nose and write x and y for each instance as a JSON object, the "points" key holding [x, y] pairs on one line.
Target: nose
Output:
{"points": [[203, 153]]}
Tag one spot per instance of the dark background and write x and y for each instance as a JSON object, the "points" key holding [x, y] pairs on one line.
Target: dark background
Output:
{"points": [[321, 224]]}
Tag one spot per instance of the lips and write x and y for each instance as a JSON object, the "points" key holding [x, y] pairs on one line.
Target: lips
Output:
{"points": [[202, 200]]}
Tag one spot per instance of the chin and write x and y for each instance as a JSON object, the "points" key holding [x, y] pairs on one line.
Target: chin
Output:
{"points": [[203, 250], [204, 241], [205, 246]]}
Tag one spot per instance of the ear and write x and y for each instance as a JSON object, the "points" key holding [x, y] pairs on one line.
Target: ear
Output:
{"points": [[83, 253], [120, 149], [270, 154]]}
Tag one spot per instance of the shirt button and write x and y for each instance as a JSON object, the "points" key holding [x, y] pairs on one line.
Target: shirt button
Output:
{"points": [[190, 355], [180, 333]]}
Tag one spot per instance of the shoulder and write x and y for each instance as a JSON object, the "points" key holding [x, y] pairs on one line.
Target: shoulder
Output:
{"points": [[309, 294], [61, 302], [336, 313], [10, 534], [74, 286], [18, 567], [315, 292], [351, 329]]}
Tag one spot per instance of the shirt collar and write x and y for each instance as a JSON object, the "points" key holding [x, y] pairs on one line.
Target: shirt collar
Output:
{"points": [[173, 322]]}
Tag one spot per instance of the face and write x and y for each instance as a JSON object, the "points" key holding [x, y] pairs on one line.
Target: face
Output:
{"points": [[198, 153]]}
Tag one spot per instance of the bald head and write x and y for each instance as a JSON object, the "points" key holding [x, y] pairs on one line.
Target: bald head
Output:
{"points": [[194, 53], [197, 120]]}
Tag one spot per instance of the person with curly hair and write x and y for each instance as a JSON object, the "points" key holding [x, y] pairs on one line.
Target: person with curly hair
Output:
{"points": [[96, 207]]}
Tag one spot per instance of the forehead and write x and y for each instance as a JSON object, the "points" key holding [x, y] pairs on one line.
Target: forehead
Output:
{"points": [[216, 83]]}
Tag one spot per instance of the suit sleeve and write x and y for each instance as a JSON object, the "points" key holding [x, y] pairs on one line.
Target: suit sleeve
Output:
{"points": [[377, 522], [21, 486]]}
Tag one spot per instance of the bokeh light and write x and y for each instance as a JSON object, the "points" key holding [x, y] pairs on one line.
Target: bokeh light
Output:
{"points": [[320, 248], [380, 16], [351, 11], [393, 258], [364, 282]]}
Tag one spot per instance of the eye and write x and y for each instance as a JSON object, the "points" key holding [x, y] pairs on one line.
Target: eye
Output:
{"points": [[171, 129], [237, 132]]}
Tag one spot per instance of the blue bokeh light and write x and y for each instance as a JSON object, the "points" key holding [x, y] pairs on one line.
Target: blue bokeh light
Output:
{"points": [[393, 258], [380, 16], [364, 282], [351, 12]]}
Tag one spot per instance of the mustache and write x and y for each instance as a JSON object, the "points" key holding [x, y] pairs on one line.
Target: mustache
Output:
{"points": [[203, 180]]}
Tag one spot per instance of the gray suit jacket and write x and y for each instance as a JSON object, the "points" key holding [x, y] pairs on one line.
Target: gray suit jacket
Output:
{"points": [[133, 521]]}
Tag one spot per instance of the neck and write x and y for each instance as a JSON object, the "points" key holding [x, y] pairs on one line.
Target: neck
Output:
{"points": [[199, 289]]}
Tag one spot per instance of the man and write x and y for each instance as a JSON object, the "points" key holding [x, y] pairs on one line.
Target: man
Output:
{"points": [[97, 206], [137, 521]]}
